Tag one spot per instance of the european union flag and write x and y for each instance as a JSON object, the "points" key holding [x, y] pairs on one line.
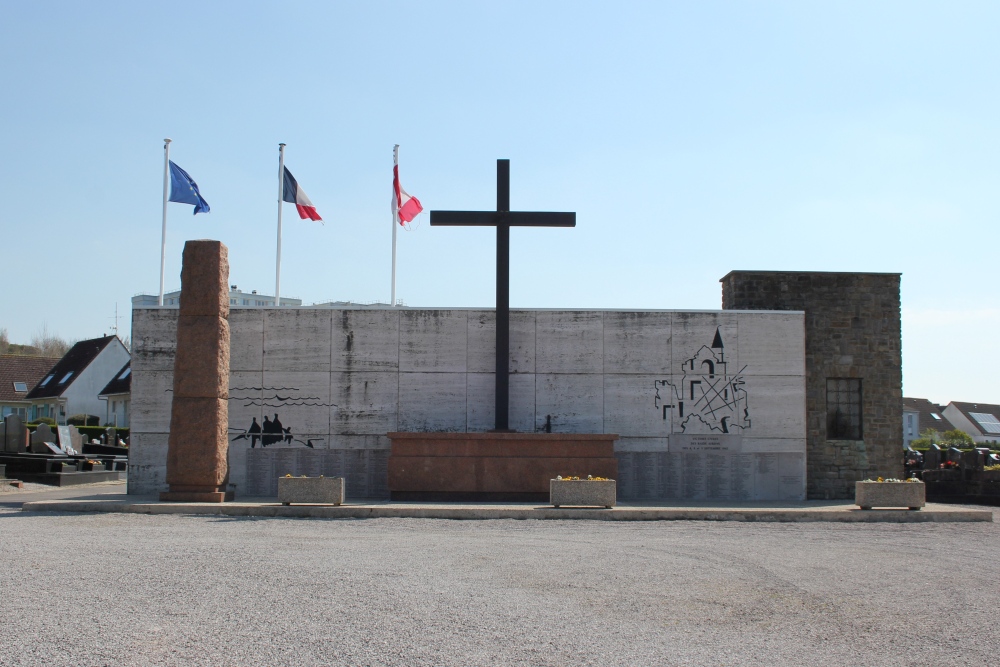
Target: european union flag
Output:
{"points": [[184, 190]]}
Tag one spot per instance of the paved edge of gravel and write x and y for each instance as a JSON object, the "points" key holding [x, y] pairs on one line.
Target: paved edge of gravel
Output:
{"points": [[837, 513]]}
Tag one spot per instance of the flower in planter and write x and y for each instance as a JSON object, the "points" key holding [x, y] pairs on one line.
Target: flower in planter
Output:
{"points": [[949, 465]]}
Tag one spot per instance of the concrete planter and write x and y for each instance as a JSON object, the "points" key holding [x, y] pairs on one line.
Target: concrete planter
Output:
{"points": [[311, 490], [602, 493], [911, 495]]}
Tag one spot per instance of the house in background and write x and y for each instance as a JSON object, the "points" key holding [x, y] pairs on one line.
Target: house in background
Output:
{"points": [[117, 396], [74, 384], [18, 374], [919, 414], [980, 420]]}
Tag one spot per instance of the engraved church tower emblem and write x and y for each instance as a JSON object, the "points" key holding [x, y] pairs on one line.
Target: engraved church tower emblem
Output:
{"points": [[706, 398]]}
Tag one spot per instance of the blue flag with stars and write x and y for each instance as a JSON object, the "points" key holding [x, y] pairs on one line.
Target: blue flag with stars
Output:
{"points": [[184, 190]]}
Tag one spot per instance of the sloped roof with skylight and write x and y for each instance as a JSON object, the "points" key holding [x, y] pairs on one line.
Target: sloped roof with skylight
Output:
{"points": [[70, 366]]}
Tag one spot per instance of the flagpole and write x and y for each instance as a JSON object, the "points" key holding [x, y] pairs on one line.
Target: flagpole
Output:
{"points": [[281, 196], [395, 223], [166, 193]]}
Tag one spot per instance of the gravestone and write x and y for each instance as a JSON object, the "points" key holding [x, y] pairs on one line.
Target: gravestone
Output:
{"points": [[76, 438], [954, 454], [932, 459], [66, 441], [198, 445], [42, 435], [972, 460], [14, 435]]}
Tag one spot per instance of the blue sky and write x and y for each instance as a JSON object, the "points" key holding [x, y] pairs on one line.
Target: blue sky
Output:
{"points": [[690, 138]]}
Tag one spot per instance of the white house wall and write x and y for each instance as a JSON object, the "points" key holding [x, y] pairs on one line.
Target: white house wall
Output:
{"points": [[340, 379], [82, 394]]}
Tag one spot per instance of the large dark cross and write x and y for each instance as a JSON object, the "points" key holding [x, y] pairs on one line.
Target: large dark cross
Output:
{"points": [[503, 219]]}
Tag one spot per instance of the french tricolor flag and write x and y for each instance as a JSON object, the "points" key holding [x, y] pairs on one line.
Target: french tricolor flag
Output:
{"points": [[293, 194]]}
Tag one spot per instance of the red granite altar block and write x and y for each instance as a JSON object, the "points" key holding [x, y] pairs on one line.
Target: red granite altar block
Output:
{"points": [[493, 466]]}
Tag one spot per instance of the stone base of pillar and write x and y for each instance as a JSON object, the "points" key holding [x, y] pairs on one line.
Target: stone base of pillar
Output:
{"points": [[197, 496]]}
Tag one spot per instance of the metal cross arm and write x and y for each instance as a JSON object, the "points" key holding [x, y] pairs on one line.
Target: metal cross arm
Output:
{"points": [[503, 219], [493, 218]]}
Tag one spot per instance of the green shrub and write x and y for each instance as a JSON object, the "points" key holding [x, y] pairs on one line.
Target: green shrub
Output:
{"points": [[83, 420]]}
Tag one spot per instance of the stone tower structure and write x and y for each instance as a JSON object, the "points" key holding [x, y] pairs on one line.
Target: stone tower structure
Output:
{"points": [[198, 448], [854, 378]]}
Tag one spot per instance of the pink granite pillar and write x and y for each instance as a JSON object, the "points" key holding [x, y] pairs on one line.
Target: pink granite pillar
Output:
{"points": [[198, 448]]}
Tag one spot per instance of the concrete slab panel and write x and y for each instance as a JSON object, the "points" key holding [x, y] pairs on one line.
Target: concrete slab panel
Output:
{"points": [[482, 341], [630, 407], [569, 342], [154, 339], [146, 480], [637, 342], [482, 389], [366, 402], [246, 397], [432, 402], [777, 407], [365, 340], [148, 449], [773, 445], [246, 347], [630, 444], [575, 403], [297, 340], [152, 393], [380, 442], [693, 337], [772, 343], [301, 400], [433, 340]]}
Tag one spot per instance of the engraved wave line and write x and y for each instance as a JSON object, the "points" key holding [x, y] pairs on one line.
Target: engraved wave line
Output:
{"points": [[283, 405]]}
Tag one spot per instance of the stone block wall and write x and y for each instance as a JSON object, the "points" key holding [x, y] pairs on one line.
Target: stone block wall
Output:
{"points": [[852, 330]]}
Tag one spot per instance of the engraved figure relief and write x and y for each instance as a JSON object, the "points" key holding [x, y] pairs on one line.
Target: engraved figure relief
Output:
{"points": [[272, 432], [707, 398]]}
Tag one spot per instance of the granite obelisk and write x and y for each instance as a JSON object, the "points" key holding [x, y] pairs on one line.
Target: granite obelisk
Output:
{"points": [[198, 447]]}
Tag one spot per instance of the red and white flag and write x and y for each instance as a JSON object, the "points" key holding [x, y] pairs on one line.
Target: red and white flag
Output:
{"points": [[405, 207], [293, 194]]}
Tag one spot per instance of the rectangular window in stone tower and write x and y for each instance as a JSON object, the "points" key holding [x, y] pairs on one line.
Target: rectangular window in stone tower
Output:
{"points": [[843, 409]]}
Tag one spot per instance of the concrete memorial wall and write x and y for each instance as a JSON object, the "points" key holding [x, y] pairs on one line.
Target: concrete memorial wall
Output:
{"points": [[709, 405]]}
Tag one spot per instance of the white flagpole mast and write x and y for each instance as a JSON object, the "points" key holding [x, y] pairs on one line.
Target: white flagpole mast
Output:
{"points": [[281, 196], [395, 220], [166, 193]]}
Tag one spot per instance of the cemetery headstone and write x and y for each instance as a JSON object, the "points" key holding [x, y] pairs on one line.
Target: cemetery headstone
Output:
{"points": [[66, 440], [954, 454], [932, 459], [51, 448], [76, 438], [42, 435], [14, 434], [972, 460]]}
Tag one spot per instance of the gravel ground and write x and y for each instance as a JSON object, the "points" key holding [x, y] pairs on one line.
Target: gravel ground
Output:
{"points": [[118, 589]]}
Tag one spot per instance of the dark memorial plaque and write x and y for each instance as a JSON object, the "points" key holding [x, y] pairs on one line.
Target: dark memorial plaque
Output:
{"points": [[670, 475], [694, 476], [378, 473], [645, 475], [503, 219], [741, 480], [262, 480]]}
